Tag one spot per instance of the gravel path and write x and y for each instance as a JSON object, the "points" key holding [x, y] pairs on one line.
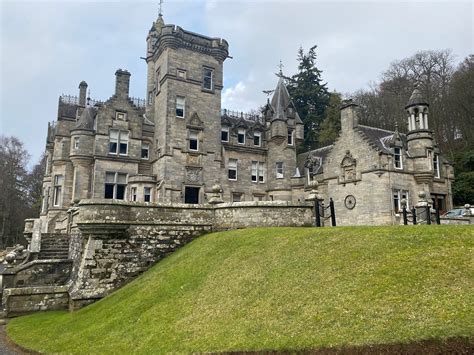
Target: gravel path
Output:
{"points": [[7, 347]]}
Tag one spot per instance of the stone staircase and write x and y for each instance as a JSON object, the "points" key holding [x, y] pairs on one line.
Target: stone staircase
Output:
{"points": [[54, 246]]}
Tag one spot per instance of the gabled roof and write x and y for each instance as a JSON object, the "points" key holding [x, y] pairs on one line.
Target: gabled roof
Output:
{"points": [[381, 139]]}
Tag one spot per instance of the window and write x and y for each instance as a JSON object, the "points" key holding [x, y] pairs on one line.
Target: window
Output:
{"points": [[397, 158], [236, 197], [208, 79], [290, 137], [76, 143], [120, 116], [258, 171], [181, 73], [115, 184], [157, 81], [180, 104], [225, 134], [398, 196], [145, 150], [232, 173], [118, 139], [279, 170], [257, 139], [58, 187], [241, 136], [150, 98], [133, 193], [147, 194], [193, 141], [436, 165]]}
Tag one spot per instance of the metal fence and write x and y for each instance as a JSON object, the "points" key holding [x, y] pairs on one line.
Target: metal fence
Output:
{"points": [[422, 217], [320, 211]]}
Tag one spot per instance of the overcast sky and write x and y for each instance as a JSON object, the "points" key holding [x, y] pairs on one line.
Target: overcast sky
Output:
{"points": [[48, 47]]}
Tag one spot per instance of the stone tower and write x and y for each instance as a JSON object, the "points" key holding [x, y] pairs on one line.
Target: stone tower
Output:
{"points": [[420, 141], [185, 79], [284, 133]]}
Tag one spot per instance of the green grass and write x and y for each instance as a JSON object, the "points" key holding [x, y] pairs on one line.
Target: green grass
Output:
{"points": [[279, 288]]}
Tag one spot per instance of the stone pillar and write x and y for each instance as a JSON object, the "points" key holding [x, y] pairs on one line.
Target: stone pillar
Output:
{"points": [[421, 207], [420, 116]]}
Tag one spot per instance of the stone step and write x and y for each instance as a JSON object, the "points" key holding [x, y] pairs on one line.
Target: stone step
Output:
{"points": [[45, 256]]}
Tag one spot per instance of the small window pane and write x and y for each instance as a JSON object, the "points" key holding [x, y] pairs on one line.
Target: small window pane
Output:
{"points": [[122, 178], [109, 191], [225, 135], [180, 104], [208, 78], [109, 177], [145, 150], [241, 136], [256, 139], [120, 192]]}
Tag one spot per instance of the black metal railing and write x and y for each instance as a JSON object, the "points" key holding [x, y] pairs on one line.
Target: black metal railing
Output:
{"points": [[415, 217], [319, 212], [255, 117]]}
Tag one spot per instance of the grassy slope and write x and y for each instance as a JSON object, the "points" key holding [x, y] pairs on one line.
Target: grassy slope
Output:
{"points": [[279, 288]]}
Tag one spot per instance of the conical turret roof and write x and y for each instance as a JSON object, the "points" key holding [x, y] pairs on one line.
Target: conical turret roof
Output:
{"points": [[416, 98], [86, 119], [280, 100]]}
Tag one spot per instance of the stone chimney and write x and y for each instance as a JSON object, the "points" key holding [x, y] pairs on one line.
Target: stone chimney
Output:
{"points": [[122, 83], [349, 119], [82, 93]]}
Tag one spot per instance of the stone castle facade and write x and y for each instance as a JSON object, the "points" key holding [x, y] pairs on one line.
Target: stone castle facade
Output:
{"points": [[179, 143]]}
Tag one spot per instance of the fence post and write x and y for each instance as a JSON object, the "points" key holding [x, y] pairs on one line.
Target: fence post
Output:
{"points": [[316, 213], [405, 217], [428, 214], [438, 219], [333, 213], [413, 211]]}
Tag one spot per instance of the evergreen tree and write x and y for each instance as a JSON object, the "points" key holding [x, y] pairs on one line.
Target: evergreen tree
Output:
{"points": [[331, 125], [310, 96]]}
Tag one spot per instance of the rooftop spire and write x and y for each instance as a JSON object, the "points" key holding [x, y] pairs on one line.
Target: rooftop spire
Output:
{"points": [[280, 67], [160, 9]]}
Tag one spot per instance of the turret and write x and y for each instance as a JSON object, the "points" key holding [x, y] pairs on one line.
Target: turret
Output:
{"points": [[419, 137]]}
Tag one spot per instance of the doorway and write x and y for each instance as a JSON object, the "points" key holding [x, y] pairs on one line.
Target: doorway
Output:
{"points": [[191, 195]]}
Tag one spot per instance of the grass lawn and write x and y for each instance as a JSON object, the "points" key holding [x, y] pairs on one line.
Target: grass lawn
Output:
{"points": [[277, 289]]}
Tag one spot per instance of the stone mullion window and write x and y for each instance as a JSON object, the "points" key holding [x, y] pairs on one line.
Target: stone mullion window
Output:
{"points": [[208, 79], [279, 170], [436, 165], [115, 184], [232, 169], [397, 158], [118, 142]]}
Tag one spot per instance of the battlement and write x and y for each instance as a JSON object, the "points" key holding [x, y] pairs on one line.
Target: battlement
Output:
{"points": [[172, 36]]}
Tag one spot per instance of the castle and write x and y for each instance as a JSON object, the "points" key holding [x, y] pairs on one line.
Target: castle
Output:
{"points": [[179, 143], [129, 181]]}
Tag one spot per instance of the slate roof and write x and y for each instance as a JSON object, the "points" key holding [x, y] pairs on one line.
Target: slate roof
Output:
{"points": [[86, 119], [416, 98], [381, 139]]}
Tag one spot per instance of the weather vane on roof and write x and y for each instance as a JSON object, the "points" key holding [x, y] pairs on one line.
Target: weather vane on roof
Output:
{"points": [[280, 67], [160, 9]]}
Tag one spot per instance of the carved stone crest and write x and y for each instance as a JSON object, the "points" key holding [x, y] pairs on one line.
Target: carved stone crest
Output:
{"points": [[193, 175]]}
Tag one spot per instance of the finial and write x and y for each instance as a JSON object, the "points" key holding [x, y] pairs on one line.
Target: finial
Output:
{"points": [[280, 66], [89, 97], [396, 127], [160, 9]]}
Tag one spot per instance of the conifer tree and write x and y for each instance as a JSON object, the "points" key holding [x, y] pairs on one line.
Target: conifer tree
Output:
{"points": [[310, 96]]}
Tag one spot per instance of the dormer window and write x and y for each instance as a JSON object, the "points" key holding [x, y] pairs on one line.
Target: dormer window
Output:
{"points": [[397, 158], [225, 134], [241, 136], [257, 139]]}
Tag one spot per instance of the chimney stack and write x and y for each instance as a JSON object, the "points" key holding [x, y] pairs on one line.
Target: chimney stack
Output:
{"points": [[122, 83], [82, 93], [349, 119]]}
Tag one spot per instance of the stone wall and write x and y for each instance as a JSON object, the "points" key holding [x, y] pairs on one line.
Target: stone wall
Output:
{"points": [[113, 242]]}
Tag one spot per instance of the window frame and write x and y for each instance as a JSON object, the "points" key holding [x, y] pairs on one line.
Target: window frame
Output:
{"points": [[193, 136], [178, 106], [397, 152], [259, 135], [232, 165], [118, 141], [145, 147], [181, 71], [210, 78], [257, 172], [241, 132], [225, 129], [289, 137], [397, 196], [157, 81], [76, 143], [436, 168], [133, 194], [58, 189], [145, 188], [279, 166], [115, 185]]}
